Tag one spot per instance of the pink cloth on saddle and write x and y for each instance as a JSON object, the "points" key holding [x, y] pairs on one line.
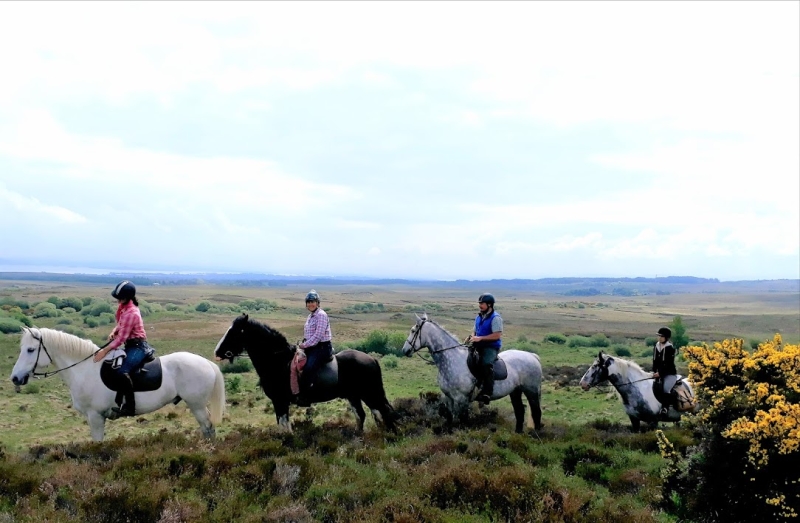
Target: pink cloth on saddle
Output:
{"points": [[295, 369]]}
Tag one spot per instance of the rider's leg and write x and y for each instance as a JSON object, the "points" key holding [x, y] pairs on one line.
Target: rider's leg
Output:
{"points": [[134, 357], [669, 397], [315, 359], [488, 356]]}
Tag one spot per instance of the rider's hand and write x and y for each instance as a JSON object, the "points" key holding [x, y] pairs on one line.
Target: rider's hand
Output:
{"points": [[112, 335], [655, 375], [100, 355]]}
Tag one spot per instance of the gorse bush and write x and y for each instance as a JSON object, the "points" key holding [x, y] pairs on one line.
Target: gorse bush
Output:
{"points": [[381, 342], [598, 340], [97, 308], [364, 308], [389, 362], [745, 467]]}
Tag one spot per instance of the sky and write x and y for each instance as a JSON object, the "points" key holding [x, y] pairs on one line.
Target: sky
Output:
{"points": [[406, 140]]}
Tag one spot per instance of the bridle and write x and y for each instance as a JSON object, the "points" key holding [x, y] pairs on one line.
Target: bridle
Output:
{"points": [[42, 346], [414, 339]]}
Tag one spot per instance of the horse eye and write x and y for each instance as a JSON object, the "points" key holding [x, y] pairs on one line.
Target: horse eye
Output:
{"points": [[31, 350]]}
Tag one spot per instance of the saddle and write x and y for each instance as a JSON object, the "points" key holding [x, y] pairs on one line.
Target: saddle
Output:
{"points": [[474, 366], [145, 379], [327, 376], [684, 399]]}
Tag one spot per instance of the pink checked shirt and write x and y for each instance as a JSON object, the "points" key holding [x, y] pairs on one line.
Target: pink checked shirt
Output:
{"points": [[317, 329], [129, 324]]}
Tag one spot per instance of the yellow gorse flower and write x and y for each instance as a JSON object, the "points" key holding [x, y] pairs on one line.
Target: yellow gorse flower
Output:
{"points": [[760, 390]]}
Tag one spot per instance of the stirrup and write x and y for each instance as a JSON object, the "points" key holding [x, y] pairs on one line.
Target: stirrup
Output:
{"points": [[664, 411]]}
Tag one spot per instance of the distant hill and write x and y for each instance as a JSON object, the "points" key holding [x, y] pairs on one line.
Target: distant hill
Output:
{"points": [[571, 286]]}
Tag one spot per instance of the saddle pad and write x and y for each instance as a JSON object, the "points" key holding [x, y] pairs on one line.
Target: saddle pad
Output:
{"points": [[145, 379]]}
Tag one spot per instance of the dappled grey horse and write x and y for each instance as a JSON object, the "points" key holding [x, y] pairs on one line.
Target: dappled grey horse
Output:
{"points": [[460, 386], [635, 386]]}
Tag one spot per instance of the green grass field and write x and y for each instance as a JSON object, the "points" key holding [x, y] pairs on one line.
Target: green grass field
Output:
{"points": [[575, 421]]}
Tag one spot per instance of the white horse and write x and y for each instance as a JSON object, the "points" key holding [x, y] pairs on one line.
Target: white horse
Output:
{"points": [[185, 376], [460, 386], [635, 386]]}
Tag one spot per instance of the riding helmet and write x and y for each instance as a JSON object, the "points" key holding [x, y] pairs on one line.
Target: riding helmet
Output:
{"points": [[312, 296], [664, 331], [486, 298], [124, 290]]}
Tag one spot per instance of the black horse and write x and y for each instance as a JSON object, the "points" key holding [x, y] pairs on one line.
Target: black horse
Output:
{"points": [[351, 374]]}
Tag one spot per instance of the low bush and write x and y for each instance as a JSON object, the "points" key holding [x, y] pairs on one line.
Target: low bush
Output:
{"points": [[555, 337], [237, 367], [46, 310], [389, 362], [621, 350], [10, 325]]}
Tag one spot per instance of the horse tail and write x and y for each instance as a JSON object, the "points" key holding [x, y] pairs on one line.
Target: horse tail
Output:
{"points": [[217, 406], [385, 408]]}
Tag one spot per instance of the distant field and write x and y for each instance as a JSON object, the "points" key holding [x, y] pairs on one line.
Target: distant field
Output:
{"points": [[45, 416]]}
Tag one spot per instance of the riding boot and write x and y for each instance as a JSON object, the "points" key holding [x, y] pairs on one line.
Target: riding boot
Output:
{"points": [[129, 404], [488, 384]]}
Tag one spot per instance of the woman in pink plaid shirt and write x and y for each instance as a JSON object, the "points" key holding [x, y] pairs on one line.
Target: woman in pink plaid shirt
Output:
{"points": [[130, 332], [317, 346]]}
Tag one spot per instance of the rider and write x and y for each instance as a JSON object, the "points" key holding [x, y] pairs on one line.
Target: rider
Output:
{"points": [[316, 344], [486, 339], [664, 370], [130, 332]]}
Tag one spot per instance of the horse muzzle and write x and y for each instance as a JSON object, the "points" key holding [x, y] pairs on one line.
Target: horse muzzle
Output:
{"points": [[19, 382], [584, 385]]}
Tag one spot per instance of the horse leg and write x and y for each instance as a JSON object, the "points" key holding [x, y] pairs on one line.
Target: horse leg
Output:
{"points": [[534, 400], [282, 415], [97, 425], [204, 420], [355, 403], [634, 424], [519, 409]]}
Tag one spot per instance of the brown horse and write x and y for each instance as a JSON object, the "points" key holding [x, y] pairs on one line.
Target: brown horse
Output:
{"points": [[351, 375]]}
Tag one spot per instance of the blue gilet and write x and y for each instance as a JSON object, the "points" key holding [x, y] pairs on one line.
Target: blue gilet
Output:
{"points": [[483, 327]]}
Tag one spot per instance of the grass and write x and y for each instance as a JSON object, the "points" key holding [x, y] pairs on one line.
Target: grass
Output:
{"points": [[584, 463]]}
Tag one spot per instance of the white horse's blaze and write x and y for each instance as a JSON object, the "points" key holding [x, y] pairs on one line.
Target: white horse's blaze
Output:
{"points": [[196, 380]]}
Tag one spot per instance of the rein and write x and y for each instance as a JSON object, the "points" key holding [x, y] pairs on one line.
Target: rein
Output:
{"points": [[40, 375]]}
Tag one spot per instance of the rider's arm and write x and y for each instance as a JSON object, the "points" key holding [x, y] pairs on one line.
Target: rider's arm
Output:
{"points": [[127, 321], [318, 327]]}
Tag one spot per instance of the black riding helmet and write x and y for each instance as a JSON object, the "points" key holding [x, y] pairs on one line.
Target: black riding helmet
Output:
{"points": [[312, 296], [124, 290], [664, 331], [486, 298]]}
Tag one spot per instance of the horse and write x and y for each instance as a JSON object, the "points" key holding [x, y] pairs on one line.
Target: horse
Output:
{"points": [[635, 387], [460, 386], [184, 376], [351, 375]]}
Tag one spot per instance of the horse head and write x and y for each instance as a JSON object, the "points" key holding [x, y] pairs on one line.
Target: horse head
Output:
{"points": [[31, 356], [413, 342], [234, 341], [598, 372]]}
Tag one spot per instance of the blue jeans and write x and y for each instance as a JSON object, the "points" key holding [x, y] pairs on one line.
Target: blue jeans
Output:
{"points": [[316, 357], [134, 357]]}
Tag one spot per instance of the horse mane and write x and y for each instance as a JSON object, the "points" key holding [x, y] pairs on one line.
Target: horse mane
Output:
{"points": [[66, 343], [628, 365], [272, 335], [445, 330]]}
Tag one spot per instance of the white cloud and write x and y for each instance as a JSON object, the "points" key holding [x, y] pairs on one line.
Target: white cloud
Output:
{"points": [[30, 207]]}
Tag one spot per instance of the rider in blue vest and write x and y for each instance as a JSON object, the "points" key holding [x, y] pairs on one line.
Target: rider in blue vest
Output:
{"points": [[486, 339]]}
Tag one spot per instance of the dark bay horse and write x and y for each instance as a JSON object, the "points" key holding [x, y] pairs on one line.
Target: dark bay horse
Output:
{"points": [[351, 375]]}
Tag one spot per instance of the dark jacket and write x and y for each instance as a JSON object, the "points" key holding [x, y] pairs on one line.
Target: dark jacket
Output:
{"points": [[664, 361]]}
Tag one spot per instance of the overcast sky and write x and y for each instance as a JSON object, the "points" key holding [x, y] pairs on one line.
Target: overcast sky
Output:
{"points": [[430, 140]]}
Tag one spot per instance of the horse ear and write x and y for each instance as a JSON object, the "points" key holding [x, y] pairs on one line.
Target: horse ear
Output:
{"points": [[418, 318], [600, 356], [425, 316], [246, 317]]}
